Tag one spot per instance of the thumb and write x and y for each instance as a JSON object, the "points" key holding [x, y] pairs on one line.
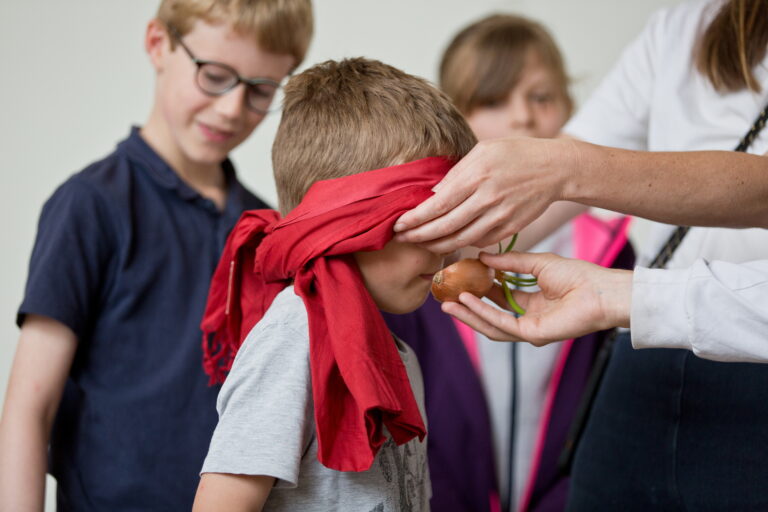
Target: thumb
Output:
{"points": [[520, 262]]}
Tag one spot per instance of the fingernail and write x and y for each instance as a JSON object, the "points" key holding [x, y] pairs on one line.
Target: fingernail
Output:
{"points": [[399, 226]]}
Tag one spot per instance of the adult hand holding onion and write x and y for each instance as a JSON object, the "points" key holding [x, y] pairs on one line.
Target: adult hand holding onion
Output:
{"points": [[473, 276], [574, 298]]}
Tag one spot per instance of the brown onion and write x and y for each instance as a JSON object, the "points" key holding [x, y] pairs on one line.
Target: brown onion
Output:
{"points": [[467, 275]]}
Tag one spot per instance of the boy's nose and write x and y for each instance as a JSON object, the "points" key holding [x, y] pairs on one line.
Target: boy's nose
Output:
{"points": [[232, 103]]}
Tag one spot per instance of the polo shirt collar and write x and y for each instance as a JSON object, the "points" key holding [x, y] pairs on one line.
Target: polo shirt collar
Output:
{"points": [[137, 149]]}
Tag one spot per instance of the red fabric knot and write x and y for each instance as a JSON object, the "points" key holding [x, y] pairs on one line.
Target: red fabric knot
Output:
{"points": [[359, 382]]}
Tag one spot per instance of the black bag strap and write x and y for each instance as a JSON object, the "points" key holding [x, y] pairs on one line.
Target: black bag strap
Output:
{"points": [[604, 354]]}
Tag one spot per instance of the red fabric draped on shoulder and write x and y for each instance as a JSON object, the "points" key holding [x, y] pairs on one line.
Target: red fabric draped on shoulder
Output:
{"points": [[359, 382]]}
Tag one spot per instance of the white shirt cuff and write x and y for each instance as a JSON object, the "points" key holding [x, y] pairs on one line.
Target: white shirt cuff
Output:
{"points": [[658, 316]]}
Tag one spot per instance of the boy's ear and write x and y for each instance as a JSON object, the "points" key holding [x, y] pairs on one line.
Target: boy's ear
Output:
{"points": [[157, 43]]}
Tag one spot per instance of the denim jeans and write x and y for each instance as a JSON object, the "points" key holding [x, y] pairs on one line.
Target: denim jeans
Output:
{"points": [[671, 431]]}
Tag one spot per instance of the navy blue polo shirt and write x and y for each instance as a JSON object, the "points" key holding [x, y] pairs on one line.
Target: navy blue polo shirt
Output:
{"points": [[123, 256]]}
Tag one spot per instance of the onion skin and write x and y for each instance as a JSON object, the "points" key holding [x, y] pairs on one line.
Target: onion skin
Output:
{"points": [[467, 275]]}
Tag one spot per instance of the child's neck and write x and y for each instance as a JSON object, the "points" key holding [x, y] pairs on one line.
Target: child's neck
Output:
{"points": [[208, 180]]}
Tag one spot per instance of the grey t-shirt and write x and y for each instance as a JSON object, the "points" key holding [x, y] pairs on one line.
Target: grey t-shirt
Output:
{"points": [[266, 427]]}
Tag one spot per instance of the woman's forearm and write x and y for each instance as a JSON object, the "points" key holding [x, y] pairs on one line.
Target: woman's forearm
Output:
{"points": [[699, 188]]}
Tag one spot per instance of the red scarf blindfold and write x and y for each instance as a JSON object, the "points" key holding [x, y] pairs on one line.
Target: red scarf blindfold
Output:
{"points": [[359, 382]]}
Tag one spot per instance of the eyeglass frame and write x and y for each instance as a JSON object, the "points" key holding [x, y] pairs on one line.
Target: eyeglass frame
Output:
{"points": [[248, 82]]}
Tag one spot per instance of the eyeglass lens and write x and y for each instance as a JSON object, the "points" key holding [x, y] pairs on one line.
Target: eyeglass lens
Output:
{"points": [[215, 79]]}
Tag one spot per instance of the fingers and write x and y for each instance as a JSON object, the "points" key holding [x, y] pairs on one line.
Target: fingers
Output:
{"points": [[460, 171], [534, 327], [469, 317], [497, 318], [445, 245], [522, 298], [449, 193], [489, 218], [520, 262], [448, 229], [458, 229], [433, 208]]}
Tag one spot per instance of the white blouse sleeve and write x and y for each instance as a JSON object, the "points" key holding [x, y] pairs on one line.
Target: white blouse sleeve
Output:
{"points": [[718, 310]]}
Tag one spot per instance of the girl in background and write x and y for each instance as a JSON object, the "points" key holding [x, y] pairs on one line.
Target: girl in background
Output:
{"points": [[506, 74]]}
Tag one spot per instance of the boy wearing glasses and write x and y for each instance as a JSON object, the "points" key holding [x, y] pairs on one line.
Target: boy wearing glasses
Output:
{"points": [[108, 365]]}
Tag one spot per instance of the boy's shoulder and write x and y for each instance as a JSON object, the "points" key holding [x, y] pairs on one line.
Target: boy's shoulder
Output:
{"points": [[106, 178], [286, 313], [90, 196], [284, 327], [282, 334], [134, 175]]}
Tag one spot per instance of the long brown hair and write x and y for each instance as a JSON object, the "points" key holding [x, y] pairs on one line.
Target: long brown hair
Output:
{"points": [[733, 44]]}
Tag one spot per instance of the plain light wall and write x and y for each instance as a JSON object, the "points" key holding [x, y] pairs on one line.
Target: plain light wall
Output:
{"points": [[75, 77]]}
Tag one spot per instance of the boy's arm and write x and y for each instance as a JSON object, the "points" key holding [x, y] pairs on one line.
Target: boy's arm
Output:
{"points": [[43, 358], [223, 491]]}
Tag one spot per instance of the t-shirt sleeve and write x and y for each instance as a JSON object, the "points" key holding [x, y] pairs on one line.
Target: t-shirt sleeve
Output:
{"points": [[69, 262], [617, 113], [265, 407]]}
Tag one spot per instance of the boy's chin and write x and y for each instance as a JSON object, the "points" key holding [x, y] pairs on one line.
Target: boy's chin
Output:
{"points": [[402, 308]]}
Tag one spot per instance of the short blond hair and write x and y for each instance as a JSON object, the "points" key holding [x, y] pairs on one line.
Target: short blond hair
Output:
{"points": [[485, 60], [345, 117], [279, 26]]}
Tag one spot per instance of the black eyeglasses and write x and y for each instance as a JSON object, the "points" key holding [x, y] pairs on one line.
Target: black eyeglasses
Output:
{"points": [[216, 79]]}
